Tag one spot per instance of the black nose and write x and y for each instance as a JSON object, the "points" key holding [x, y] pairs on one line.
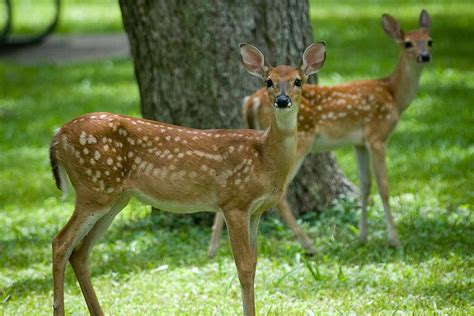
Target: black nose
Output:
{"points": [[423, 58], [282, 101]]}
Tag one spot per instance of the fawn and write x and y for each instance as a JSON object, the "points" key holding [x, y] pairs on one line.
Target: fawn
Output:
{"points": [[361, 113], [110, 158]]}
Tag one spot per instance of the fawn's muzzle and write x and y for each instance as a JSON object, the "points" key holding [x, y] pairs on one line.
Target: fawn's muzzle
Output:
{"points": [[424, 58], [282, 101]]}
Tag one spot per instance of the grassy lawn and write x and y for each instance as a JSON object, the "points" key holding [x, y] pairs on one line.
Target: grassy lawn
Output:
{"points": [[146, 266]]}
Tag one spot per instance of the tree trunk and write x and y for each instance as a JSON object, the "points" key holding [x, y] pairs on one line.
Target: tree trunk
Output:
{"points": [[187, 64]]}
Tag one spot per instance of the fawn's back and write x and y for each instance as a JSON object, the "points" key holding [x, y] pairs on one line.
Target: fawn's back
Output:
{"points": [[107, 154]]}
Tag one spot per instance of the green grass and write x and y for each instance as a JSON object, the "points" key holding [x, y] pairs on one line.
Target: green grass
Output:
{"points": [[150, 265]]}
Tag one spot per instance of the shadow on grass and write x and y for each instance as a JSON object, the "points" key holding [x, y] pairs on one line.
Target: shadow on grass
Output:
{"points": [[144, 244]]}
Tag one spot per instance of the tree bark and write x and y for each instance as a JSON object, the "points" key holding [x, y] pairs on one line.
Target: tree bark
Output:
{"points": [[187, 64]]}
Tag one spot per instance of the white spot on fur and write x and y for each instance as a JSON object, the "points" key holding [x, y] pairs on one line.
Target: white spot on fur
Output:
{"points": [[83, 138]]}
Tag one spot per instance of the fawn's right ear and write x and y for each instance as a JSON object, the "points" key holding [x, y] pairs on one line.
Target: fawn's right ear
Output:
{"points": [[392, 28], [253, 60], [313, 58], [425, 20]]}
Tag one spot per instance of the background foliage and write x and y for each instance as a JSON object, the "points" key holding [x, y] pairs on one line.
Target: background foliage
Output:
{"points": [[153, 266]]}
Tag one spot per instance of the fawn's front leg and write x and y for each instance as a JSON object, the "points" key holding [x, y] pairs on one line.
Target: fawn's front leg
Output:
{"points": [[365, 183], [377, 154], [242, 230], [285, 213]]}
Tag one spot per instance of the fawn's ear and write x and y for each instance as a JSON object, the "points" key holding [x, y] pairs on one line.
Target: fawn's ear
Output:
{"points": [[253, 60], [313, 58], [392, 28], [425, 20]]}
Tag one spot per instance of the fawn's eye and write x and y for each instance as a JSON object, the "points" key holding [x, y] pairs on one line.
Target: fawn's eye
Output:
{"points": [[269, 83], [298, 82], [408, 44], [430, 43]]}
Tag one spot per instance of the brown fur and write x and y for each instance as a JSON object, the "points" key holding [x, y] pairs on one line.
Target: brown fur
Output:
{"points": [[120, 153]]}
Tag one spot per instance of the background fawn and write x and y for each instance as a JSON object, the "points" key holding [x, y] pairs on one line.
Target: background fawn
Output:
{"points": [[361, 113]]}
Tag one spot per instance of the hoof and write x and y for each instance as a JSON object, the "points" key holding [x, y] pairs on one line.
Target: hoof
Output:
{"points": [[211, 253], [309, 250], [307, 245], [394, 243], [363, 239]]}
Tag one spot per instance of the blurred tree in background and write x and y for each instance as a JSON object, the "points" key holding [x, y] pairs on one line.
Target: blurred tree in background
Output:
{"points": [[187, 65]]}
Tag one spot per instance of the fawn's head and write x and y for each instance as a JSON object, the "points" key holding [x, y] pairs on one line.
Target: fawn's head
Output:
{"points": [[417, 43], [283, 82]]}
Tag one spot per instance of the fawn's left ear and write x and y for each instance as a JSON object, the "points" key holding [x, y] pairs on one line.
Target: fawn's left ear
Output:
{"points": [[425, 20], [313, 58]]}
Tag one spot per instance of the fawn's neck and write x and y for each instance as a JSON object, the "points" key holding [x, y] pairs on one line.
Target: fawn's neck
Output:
{"points": [[404, 81], [280, 144]]}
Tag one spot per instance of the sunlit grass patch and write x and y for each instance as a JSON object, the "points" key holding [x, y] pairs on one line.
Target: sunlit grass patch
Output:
{"points": [[144, 267]]}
